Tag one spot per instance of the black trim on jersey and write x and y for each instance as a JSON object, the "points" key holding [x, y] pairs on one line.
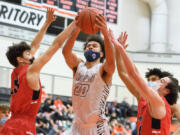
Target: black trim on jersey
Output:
{"points": [[16, 83], [12, 92], [15, 90], [156, 123], [35, 94]]}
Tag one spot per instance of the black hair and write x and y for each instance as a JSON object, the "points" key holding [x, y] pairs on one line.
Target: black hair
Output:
{"points": [[98, 39], [166, 74], [16, 50], [154, 71], [173, 87]]}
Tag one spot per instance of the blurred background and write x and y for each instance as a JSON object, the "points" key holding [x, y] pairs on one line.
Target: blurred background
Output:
{"points": [[153, 29]]}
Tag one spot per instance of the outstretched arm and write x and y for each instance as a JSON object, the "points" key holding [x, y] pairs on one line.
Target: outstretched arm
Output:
{"points": [[157, 107], [34, 69], [175, 109], [71, 59], [37, 40], [121, 67], [109, 66]]}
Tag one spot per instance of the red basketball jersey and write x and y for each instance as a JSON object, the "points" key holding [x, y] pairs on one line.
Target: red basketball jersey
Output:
{"points": [[146, 125], [24, 106]]}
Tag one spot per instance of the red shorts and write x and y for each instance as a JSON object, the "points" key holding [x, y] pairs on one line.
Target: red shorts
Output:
{"points": [[18, 127]]}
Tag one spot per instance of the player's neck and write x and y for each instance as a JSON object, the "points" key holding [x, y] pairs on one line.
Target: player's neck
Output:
{"points": [[21, 64], [93, 63]]}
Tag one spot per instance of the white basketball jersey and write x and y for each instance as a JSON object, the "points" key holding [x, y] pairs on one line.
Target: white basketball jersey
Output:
{"points": [[89, 94]]}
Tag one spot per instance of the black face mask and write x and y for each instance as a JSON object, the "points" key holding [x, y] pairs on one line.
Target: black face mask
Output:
{"points": [[32, 60]]}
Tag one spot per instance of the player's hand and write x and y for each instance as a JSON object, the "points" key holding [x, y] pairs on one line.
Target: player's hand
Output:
{"points": [[77, 20], [101, 24], [116, 43], [50, 15], [122, 39]]}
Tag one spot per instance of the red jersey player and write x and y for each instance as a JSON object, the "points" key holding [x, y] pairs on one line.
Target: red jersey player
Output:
{"points": [[25, 79], [154, 113]]}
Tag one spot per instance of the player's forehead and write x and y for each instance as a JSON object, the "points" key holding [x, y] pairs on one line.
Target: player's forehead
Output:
{"points": [[165, 80], [153, 78], [4, 111], [93, 43], [27, 52]]}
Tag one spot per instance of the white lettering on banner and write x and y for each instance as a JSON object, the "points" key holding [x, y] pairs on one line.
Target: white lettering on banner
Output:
{"points": [[21, 16]]}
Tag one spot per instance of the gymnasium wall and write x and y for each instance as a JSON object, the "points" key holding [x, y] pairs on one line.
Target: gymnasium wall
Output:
{"points": [[134, 17]]}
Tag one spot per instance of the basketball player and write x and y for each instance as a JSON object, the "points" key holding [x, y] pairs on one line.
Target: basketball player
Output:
{"points": [[154, 113], [26, 87], [91, 81], [156, 74]]}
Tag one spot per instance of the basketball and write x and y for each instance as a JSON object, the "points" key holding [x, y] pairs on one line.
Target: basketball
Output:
{"points": [[86, 19]]}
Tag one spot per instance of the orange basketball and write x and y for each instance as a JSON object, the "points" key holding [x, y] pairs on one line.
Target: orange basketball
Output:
{"points": [[86, 19]]}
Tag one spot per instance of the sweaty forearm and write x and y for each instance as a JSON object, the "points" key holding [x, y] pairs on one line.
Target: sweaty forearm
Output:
{"points": [[120, 64], [70, 42], [129, 65], [109, 51], [37, 40], [124, 76], [64, 34]]}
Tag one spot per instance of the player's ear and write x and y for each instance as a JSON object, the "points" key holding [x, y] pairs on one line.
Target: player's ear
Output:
{"points": [[167, 91], [19, 59]]}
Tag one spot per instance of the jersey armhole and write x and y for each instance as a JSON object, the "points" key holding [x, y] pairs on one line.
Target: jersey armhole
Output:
{"points": [[36, 94]]}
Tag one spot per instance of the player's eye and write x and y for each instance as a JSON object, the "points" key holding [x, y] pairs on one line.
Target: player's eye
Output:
{"points": [[162, 81]]}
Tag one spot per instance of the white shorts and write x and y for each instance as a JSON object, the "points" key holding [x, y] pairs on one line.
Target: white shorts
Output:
{"points": [[100, 128]]}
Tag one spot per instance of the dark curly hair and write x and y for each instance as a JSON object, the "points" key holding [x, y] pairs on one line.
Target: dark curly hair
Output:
{"points": [[16, 50], [174, 88], [166, 74], [154, 71], [98, 39]]}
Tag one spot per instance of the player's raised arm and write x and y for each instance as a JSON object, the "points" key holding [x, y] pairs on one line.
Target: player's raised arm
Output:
{"points": [[35, 68], [156, 103], [109, 65], [71, 59], [121, 67], [37, 40]]}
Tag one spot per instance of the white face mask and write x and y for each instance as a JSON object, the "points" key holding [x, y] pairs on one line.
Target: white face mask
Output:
{"points": [[154, 85], [3, 120]]}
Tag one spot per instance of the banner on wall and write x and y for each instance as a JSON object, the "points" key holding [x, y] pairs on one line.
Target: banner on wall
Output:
{"points": [[71, 7], [21, 16]]}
